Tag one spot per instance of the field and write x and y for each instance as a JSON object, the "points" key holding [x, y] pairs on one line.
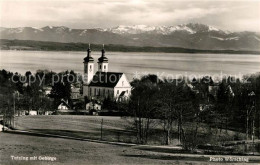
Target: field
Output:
{"points": [[71, 151], [114, 129], [68, 152]]}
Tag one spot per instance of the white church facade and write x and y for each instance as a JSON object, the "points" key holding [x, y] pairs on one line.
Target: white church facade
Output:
{"points": [[104, 84]]}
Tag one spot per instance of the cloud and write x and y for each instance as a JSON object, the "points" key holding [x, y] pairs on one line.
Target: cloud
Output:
{"points": [[230, 15]]}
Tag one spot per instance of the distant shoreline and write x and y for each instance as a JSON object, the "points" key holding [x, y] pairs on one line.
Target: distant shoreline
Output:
{"points": [[30, 45]]}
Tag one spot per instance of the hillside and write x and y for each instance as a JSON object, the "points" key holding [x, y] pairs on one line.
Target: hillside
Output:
{"points": [[56, 46], [189, 36]]}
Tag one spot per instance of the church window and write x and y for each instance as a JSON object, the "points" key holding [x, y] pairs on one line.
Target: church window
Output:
{"points": [[117, 91], [126, 91], [90, 67], [104, 66]]}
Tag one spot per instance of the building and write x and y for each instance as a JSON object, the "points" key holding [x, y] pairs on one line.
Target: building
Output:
{"points": [[213, 90], [33, 113], [104, 84], [47, 90], [75, 93], [48, 113], [21, 112], [63, 105], [93, 107]]}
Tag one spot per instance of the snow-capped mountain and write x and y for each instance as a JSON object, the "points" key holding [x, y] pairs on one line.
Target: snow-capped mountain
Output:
{"points": [[165, 30], [196, 36]]}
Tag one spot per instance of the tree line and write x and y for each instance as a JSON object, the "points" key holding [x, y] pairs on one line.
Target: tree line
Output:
{"points": [[187, 111], [57, 46], [191, 106], [28, 91]]}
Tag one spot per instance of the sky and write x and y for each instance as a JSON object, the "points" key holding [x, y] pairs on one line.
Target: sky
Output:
{"points": [[236, 15]]}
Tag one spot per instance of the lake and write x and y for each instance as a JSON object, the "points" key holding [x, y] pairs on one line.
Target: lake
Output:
{"points": [[131, 63]]}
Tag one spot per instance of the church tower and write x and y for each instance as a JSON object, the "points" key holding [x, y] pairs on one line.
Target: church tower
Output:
{"points": [[103, 62], [88, 67]]}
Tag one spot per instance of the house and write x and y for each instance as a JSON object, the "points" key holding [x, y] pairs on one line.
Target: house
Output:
{"points": [[104, 84], [213, 89], [44, 112], [230, 91], [93, 107], [47, 90], [64, 109], [48, 112], [33, 113], [19, 112], [63, 105], [75, 93]]}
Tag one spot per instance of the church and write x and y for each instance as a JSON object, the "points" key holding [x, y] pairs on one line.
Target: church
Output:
{"points": [[103, 84]]}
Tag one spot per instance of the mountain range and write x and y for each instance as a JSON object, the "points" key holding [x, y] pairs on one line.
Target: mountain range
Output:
{"points": [[192, 36]]}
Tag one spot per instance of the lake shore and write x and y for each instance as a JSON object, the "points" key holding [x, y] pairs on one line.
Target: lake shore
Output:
{"points": [[58, 46]]}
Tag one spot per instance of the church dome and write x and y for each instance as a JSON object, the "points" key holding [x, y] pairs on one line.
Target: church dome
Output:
{"points": [[103, 58], [89, 58]]}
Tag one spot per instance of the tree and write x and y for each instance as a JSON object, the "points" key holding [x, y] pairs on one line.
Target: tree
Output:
{"points": [[178, 103], [109, 104], [143, 105], [167, 93], [60, 91]]}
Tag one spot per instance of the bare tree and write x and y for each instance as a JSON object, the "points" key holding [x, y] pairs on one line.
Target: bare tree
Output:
{"points": [[177, 104], [143, 106]]}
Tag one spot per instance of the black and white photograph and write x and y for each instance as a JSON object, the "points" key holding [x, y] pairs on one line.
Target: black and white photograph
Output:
{"points": [[129, 82]]}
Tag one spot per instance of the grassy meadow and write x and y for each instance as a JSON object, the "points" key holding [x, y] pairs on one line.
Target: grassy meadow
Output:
{"points": [[116, 129]]}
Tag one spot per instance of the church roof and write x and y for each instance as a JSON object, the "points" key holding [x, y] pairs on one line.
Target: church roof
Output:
{"points": [[106, 79]]}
